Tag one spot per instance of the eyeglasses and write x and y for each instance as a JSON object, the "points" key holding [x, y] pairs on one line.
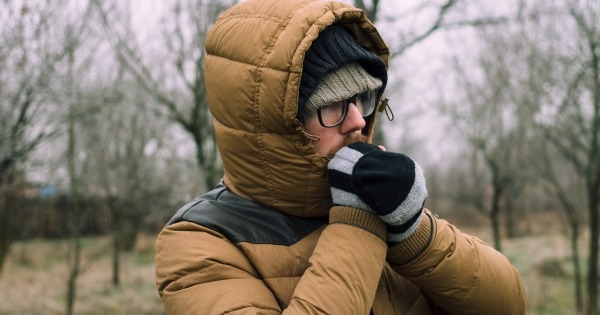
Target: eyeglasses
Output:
{"points": [[335, 113]]}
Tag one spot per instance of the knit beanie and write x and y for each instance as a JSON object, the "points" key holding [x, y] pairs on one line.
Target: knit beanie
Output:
{"points": [[335, 48], [341, 84]]}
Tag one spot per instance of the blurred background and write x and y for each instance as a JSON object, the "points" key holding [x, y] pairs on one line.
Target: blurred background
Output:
{"points": [[105, 133]]}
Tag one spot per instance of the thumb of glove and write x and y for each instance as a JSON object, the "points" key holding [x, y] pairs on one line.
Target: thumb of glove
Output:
{"points": [[339, 172]]}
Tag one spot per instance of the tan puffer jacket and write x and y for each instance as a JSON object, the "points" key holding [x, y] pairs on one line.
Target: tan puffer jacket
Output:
{"points": [[260, 243]]}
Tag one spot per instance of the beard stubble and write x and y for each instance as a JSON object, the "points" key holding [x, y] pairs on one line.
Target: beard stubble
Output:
{"points": [[358, 137]]}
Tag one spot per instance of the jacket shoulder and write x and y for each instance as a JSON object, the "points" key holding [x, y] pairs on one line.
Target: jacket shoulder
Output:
{"points": [[242, 220]]}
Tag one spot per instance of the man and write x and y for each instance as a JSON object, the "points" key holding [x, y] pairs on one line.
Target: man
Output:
{"points": [[309, 218]]}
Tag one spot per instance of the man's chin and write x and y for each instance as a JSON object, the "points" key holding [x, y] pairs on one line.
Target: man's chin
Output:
{"points": [[359, 137]]}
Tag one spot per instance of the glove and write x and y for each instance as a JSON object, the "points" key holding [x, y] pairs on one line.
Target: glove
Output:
{"points": [[388, 184]]}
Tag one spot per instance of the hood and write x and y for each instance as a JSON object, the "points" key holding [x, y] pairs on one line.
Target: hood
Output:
{"points": [[253, 65]]}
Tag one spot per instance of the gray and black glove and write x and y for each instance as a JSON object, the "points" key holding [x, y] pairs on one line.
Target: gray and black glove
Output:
{"points": [[388, 184]]}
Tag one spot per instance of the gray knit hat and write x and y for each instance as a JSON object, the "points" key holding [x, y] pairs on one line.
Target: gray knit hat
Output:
{"points": [[336, 49]]}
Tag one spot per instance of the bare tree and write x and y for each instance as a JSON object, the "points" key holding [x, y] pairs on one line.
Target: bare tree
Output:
{"points": [[75, 218], [532, 91], [571, 122], [586, 143], [555, 82], [28, 61], [490, 123], [73, 38], [178, 87], [26, 65], [559, 184], [65, 31], [123, 145]]}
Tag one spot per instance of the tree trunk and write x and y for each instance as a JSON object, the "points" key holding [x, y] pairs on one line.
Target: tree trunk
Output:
{"points": [[9, 219], [5, 235], [576, 266], [510, 219], [116, 239], [207, 162], [592, 308], [495, 218], [75, 222], [116, 261]]}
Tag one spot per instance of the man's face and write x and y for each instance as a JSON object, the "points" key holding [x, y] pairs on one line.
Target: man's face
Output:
{"points": [[330, 140]]}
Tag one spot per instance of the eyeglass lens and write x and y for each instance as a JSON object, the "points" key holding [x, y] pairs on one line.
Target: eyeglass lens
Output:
{"points": [[333, 114]]}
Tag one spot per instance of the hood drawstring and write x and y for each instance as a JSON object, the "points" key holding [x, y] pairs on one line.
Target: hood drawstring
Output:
{"points": [[310, 136], [385, 106]]}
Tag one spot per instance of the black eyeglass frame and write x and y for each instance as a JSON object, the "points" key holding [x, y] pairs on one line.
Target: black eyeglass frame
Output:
{"points": [[347, 105]]}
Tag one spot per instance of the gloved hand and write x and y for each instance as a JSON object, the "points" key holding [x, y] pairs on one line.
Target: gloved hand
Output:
{"points": [[389, 184]]}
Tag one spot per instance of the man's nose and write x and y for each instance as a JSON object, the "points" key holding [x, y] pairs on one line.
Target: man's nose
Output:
{"points": [[354, 119]]}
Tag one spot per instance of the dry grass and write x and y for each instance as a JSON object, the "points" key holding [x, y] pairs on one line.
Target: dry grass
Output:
{"points": [[545, 266], [35, 275], [34, 279], [543, 259]]}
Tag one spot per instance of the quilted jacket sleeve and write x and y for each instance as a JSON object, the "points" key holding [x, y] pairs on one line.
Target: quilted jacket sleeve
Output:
{"points": [[462, 274], [201, 272]]}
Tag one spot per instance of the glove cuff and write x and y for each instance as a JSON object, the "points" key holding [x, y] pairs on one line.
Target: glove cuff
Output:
{"points": [[359, 218], [412, 247]]}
